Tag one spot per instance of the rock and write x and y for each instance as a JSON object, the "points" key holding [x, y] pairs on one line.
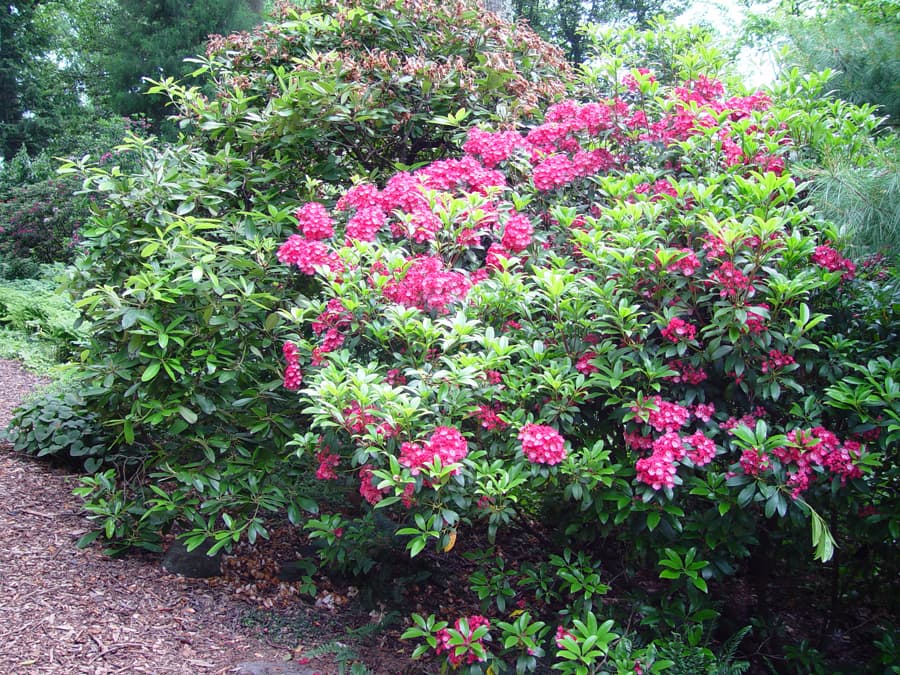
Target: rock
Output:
{"points": [[273, 668], [195, 564]]}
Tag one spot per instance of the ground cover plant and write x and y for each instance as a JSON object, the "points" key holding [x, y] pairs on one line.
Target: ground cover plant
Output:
{"points": [[37, 325], [617, 333]]}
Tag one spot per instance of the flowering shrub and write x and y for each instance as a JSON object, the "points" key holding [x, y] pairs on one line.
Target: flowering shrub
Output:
{"points": [[40, 221], [180, 281], [336, 88], [619, 310], [564, 292]]}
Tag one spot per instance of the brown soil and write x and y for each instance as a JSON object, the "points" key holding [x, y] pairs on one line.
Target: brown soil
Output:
{"points": [[65, 610]]}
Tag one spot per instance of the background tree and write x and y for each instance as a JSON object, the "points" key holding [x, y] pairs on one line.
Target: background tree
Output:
{"points": [[858, 43], [140, 39], [559, 20], [38, 91]]}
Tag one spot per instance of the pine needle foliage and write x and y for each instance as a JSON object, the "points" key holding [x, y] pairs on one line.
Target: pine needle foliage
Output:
{"points": [[864, 50], [862, 201]]}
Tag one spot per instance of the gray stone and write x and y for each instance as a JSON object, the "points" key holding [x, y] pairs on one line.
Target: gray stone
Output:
{"points": [[195, 564]]}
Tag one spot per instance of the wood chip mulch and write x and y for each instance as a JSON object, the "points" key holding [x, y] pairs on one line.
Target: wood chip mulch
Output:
{"points": [[65, 610]]}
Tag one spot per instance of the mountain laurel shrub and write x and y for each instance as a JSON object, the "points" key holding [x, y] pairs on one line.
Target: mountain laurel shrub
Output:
{"points": [[331, 88], [615, 324], [180, 280]]}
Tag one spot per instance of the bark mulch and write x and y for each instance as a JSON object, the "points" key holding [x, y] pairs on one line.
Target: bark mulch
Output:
{"points": [[65, 610]]}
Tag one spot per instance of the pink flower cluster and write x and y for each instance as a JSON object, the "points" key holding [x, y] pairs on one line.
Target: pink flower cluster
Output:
{"points": [[308, 255], [493, 148], [517, 233], [331, 323], [679, 330], [542, 444], [658, 190], [328, 462], [776, 361], [428, 286], [659, 469], [489, 417], [314, 221], [687, 373], [831, 260], [445, 444], [562, 634], [468, 656], [732, 281], [630, 81], [753, 461], [756, 318], [293, 376], [687, 264], [357, 419], [810, 451], [367, 488], [584, 365], [818, 448], [667, 416]]}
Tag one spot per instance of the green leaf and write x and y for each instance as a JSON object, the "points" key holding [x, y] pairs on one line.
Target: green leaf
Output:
{"points": [[151, 371], [189, 415]]}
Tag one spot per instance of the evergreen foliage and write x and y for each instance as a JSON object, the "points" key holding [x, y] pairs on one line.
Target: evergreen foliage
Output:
{"points": [[150, 39], [560, 21], [862, 47]]}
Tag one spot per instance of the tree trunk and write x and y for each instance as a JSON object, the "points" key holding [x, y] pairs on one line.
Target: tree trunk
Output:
{"points": [[502, 8]]}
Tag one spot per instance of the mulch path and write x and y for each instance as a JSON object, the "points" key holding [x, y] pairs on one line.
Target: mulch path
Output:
{"points": [[65, 610]]}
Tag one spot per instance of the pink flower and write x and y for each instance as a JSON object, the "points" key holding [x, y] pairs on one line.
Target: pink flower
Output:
{"points": [[367, 485], [445, 444], [365, 223], [656, 471], [293, 377], [687, 264], [637, 441], [314, 221], [687, 373], [679, 330], [428, 286], [756, 318], [704, 411], [492, 147], [670, 446], [562, 634], [732, 281], [668, 416], [494, 376], [448, 444], [553, 172], [754, 461], [327, 464], [584, 364], [305, 254], [359, 196], [517, 233], [827, 257], [357, 419], [542, 444], [704, 449], [776, 361], [443, 641], [496, 256], [490, 420]]}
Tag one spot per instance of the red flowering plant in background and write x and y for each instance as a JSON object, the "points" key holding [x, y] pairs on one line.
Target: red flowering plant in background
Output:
{"points": [[615, 308]]}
